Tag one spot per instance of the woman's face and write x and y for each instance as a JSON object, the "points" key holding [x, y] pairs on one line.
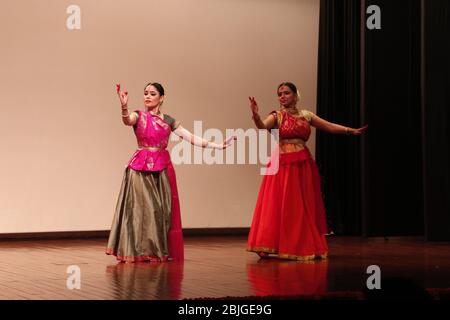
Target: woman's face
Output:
{"points": [[152, 98], [286, 97]]}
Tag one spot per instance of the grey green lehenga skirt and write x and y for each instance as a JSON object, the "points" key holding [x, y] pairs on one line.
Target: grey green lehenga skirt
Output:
{"points": [[141, 223]]}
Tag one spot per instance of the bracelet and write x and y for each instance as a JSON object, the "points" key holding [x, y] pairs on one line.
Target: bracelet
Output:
{"points": [[125, 115]]}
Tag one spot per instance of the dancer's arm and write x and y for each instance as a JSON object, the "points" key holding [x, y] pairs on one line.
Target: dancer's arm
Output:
{"points": [[200, 142], [335, 128], [268, 123], [128, 119]]}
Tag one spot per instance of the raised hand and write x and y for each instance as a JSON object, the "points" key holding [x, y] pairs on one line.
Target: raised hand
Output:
{"points": [[253, 105], [123, 96]]}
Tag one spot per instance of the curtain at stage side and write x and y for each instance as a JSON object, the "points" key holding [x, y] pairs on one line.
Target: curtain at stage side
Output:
{"points": [[338, 100], [436, 117]]}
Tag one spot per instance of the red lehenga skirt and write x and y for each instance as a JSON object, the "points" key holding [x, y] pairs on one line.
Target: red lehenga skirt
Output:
{"points": [[289, 218]]}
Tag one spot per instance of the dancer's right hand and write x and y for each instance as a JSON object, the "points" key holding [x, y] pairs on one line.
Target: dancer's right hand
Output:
{"points": [[123, 96], [228, 142], [253, 105]]}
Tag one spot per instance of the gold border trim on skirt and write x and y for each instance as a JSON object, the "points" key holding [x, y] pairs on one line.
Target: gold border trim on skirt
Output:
{"points": [[288, 256]]}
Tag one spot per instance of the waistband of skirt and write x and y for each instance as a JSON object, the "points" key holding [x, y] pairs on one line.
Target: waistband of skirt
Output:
{"points": [[151, 148], [297, 156], [293, 141]]}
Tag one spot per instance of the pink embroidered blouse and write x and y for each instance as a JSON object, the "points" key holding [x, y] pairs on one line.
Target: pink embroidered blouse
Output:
{"points": [[152, 134]]}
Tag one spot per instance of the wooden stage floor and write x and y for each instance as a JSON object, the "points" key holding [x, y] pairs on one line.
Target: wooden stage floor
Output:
{"points": [[215, 267]]}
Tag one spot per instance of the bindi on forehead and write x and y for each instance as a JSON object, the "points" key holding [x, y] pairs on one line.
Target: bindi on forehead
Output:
{"points": [[284, 91], [151, 91]]}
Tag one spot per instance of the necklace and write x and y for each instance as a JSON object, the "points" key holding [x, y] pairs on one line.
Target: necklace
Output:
{"points": [[157, 114], [292, 110], [154, 113]]}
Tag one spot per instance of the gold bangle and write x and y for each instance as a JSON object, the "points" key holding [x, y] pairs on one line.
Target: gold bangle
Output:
{"points": [[125, 115]]}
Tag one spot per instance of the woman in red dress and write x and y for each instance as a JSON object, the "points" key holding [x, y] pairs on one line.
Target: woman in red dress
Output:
{"points": [[289, 218]]}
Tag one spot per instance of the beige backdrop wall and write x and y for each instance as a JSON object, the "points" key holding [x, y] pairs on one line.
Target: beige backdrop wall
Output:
{"points": [[63, 146]]}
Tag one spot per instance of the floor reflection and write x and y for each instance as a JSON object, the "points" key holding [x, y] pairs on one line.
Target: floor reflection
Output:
{"points": [[146, 280], [284, 277]]}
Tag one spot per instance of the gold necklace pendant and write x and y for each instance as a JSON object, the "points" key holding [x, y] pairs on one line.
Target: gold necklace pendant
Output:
{"points": [[292, 110]]}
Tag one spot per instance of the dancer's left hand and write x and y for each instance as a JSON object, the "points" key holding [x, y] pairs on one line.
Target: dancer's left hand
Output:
{"points": [[359, 131]]}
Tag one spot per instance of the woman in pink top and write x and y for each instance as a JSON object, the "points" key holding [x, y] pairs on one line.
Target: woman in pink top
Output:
{"points": [[147, 221]]}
